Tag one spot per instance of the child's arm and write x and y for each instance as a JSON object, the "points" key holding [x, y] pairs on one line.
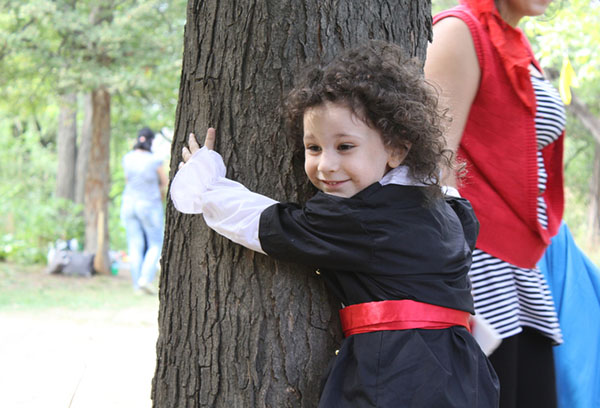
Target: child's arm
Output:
{"points": [[229, 208], [325, 233]]}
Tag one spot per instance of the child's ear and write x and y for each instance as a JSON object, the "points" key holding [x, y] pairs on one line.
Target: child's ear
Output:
{"points": [[398, 155]]}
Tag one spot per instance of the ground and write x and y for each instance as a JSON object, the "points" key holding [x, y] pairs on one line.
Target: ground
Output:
{"points": [[93, 348]]}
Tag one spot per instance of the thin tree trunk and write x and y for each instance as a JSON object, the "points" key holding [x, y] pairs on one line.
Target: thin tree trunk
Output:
{"points": [[66, 146], [587, 118], [237, 329], [592, 124], [594, 208], [85, 144], [97, 182]]}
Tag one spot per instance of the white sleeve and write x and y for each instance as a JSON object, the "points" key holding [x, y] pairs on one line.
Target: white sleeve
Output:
{"points": [[229, 208]]}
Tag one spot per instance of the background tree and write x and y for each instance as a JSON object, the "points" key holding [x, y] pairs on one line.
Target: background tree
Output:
{"points": [[54, 49], [66, 146], [238, 329]]}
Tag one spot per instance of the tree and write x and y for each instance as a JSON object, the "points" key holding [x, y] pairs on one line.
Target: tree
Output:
{"points": [[592, 124], [66, 146], [97, 181], [53, 48], [238, 329]]}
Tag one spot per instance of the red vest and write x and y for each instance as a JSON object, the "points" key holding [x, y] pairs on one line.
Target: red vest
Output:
{"points": [[499, 149]]}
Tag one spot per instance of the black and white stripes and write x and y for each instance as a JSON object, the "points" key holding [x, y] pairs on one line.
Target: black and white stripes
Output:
{"points": [[507, 296], [550, 122]]}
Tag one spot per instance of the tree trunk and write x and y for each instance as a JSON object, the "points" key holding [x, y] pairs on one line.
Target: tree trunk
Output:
{"points": [[594, 208], [66, 146], [237, 329], [97, 182], [85, 144], [592, 124]]}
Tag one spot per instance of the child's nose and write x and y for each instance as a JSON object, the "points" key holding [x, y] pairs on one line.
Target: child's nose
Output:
{"points": [[328, 162]]}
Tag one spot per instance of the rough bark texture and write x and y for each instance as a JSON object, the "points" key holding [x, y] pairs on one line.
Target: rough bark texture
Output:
{"points": [[97, 182], [238, 329], [66, 145]]}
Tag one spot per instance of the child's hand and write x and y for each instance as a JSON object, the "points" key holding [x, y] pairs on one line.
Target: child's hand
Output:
{"points": [[209, 142]]}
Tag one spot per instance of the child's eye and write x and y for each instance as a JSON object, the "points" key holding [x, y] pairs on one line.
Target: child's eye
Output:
{"points": [[313, 148], [345, 146]]}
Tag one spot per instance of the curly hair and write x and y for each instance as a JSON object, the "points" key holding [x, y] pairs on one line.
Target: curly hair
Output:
{"points": [[385, 89]]}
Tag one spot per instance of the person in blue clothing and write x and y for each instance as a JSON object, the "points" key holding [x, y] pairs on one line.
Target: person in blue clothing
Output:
{"points": [[392, 245], [142, 210]]}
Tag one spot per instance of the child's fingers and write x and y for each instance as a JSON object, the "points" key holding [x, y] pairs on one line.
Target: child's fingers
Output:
{"points": [[186, 154], [209, 142], [193, 143]]}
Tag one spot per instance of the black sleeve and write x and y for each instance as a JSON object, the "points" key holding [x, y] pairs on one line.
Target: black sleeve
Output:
{"points": [[326, 233], [466, 215]]}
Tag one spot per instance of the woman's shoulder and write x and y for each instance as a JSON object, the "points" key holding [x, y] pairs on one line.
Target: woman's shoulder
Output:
{"points": [[459, 34]]}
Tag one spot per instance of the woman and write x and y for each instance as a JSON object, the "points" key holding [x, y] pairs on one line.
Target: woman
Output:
{"points": [[142, 210], [507, 127]]}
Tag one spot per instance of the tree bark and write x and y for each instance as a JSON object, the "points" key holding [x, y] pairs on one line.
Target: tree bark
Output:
{"points": [[97, 182], [237, 329], [83, 154], [66, 146]]}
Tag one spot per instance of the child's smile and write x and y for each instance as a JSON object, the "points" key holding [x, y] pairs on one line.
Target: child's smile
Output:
{"points": [[343, 155]]}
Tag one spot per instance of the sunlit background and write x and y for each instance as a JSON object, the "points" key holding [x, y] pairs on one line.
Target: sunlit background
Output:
{"points": [[69, 346]]}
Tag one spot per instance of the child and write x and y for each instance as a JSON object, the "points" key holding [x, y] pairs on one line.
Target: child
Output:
{"points": [[387, 242]]}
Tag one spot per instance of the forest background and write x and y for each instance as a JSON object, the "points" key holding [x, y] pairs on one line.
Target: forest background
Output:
{"points": [[57, 57]]}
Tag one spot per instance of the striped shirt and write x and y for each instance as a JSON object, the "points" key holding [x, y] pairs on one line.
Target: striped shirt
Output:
{"points": [[507, 296]]}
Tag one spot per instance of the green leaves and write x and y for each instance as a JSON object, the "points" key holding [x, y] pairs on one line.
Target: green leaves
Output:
{"points": [[67, 45], [50, 47], [570, 29]]}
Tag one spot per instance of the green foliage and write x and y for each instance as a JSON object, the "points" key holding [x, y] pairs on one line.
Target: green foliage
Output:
{"points": [[49, 47], [440, 5], [31, 217], [569, 29]]}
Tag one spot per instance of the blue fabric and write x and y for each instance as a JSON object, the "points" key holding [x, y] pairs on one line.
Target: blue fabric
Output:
{"points": [[143, 222], [575, 284], [142, 215]]}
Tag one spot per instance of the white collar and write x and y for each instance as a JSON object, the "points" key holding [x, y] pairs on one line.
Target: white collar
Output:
{"points": [[399, 175]]}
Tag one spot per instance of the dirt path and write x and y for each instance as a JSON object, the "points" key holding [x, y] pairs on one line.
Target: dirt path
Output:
{"points": [[77, 360]]}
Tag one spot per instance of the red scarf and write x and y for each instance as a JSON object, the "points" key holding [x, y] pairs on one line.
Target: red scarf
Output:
{"points": [[511, 44]]}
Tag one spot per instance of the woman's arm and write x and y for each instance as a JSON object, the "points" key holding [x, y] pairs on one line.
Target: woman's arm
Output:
{"points": [[452, 65]]}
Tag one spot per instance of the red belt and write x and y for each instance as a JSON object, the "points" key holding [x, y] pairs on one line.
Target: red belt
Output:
{"points": [[399, 315]]}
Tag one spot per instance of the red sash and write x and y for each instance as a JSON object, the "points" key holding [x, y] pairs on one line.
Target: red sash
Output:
{"points": [[399, 315]]}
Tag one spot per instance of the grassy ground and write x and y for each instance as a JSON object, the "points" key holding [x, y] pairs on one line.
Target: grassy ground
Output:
{"points": [[28, 288]]}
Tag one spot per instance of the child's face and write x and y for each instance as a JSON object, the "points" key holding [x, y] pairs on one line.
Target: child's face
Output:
{"points": [[343, 155]]}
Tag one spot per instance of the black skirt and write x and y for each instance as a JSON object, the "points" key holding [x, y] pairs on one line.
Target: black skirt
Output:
{"points": [[411, 368]]}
